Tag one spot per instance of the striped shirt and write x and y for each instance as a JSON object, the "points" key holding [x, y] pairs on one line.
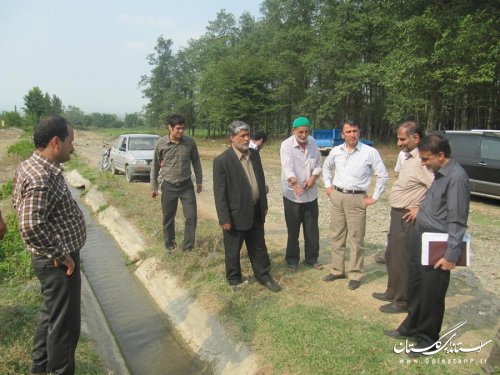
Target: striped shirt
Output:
{"points": [[50, 221], [353, 170], [172, 162]]}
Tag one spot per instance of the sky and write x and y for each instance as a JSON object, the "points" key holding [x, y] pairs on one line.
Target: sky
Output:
{"points": [[92, 53]]}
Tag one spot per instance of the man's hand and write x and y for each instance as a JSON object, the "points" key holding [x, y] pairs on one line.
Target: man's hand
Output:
{"points": [[199, 188], [310, 182], [369, 201], [154, 194], [226, 226], [3, 228], [329, 191], [444, 265], [68, 262], [411, 215]]}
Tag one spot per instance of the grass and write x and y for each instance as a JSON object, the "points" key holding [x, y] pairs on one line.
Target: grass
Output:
{"points": [[310, 328]]}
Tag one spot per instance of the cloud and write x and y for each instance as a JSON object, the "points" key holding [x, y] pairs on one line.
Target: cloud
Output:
{"points": [[148, 21]]}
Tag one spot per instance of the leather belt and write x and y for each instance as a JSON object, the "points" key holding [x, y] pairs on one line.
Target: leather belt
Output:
{"points": [[346, 191]]}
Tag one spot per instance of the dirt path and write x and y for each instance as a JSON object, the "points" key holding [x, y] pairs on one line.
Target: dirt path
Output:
{"points": [[8, 137], [474, 293]]}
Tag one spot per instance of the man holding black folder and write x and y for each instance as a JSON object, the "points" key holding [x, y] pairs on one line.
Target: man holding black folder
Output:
{"points": [[445, 209], [406, 195]]}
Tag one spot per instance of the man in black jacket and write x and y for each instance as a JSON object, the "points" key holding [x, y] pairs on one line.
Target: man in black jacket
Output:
{"points": [[241, 203]]}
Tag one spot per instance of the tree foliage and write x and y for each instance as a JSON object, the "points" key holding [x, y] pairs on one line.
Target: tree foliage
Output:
{"points": [[380, 61]]}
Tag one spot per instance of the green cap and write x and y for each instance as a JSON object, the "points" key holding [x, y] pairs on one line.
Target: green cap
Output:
{"points": [[301, 121]]}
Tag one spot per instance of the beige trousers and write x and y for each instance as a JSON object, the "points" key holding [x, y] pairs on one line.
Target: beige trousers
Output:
{"points": [[348, 222]]}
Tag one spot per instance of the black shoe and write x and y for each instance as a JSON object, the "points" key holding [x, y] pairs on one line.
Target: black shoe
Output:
{"points": [[380, 259], [332, 277], [381, 297], [272, 285], [171, 246], [395, 334], [354, 284], [393, 308]]}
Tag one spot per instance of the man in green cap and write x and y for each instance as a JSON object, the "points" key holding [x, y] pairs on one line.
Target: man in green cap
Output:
{"points": [[300, 167]]}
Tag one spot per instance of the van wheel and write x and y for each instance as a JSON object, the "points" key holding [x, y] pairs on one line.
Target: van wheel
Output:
{"points": [[128, 174]]}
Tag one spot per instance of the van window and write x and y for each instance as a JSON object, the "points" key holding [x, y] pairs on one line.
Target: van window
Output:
{"points": [[490, 148], [463, 145]]}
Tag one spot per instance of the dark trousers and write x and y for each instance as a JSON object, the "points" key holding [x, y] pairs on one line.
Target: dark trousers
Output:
{"points": [[58, 321], [257, 252], [401, 240], [427, 289], [170, 195], [305, 214]]}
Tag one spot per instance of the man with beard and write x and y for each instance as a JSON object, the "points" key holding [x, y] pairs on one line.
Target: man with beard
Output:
{"points": [[241, 203], [300, 167]]}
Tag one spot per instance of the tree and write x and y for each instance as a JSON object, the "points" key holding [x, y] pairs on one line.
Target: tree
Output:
{"points": [[34, 105], [12, 119], [133, 120]]}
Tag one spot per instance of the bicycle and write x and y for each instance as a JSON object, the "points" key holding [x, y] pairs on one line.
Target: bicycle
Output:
{"points": [[105, 162]]}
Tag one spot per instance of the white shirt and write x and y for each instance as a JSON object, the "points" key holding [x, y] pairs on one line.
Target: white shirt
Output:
{"points": [[301, 164], [353, 170], [253, 145]]}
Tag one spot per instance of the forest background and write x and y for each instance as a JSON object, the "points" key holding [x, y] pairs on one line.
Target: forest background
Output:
{"points": [[380, 61]]}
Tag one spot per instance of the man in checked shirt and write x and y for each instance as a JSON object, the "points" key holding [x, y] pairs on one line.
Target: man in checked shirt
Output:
{"points": [[53, 229]]}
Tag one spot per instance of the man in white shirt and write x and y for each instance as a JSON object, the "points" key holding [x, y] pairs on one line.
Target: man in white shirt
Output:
{"points": [[257, 140], [300, 167], [354, 164]]}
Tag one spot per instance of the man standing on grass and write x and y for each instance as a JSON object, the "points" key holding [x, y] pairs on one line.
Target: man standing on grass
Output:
{"points": [[300, 167], [445, 209], [406, 195], [241, 203], [174, 154], [52, 227], [354, 163]]}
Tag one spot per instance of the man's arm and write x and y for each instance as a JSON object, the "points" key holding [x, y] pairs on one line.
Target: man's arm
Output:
{"points": [[220, 194], [35, 228], [155, 170], [381, 172], [196, 162], [328, 172], [457, 204]]}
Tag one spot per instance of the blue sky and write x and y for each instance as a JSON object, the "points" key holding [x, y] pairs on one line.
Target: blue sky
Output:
{"points": [[92, 53]]}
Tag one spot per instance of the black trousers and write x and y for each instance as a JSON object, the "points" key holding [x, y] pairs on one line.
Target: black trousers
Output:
{"points": [[170, 195], [401, 240], [427, 289], [305, 214], [58, 321], [257, 252]]}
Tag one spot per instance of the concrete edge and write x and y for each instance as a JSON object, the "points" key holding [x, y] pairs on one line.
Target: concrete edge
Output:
{"points": [[203, 333]]}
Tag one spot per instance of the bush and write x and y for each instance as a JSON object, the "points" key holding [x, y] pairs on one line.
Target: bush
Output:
{"points": [[15, 260], [22, 149], [6, 189]]}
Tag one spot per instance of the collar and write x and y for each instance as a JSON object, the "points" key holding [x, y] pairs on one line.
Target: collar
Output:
{"points": [[296, 143], [46, 163], [445, 169], [413, 153], [357, 147], [170, 141], [239, 154]]}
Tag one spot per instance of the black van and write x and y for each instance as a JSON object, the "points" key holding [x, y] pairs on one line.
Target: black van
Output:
{"points": [[478, 151]]}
